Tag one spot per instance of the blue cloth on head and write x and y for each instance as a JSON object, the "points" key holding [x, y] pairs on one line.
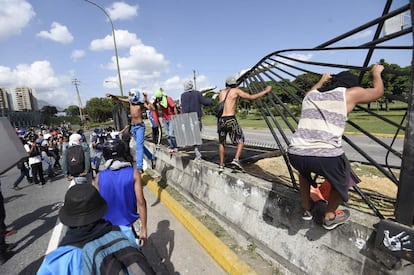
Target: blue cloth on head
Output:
{"points": [[135, 97]]}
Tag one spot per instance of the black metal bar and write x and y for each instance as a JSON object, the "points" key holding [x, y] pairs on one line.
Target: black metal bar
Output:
{"points": [[398, 126], [377, 140], [284, 153], [371, 160], [367, 25], [404, 210], [275, 64], [368, 201], [380, 25]]}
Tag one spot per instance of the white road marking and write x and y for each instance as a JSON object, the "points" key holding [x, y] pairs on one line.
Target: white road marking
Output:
{"points": [[54, 239]]}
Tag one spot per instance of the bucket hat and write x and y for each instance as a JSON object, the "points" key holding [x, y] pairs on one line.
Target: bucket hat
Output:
{"points": [[83, 205]]}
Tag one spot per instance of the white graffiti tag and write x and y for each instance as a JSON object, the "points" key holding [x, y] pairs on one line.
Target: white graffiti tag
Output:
{"points": [[397, 242]]}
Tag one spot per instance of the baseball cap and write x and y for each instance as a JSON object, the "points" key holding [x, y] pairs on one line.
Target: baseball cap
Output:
{"points": [[231, 81]]}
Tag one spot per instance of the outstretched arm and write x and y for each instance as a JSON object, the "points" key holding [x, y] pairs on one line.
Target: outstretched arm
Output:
{"points": [[204, 100], [115, 97], [254, 96]]}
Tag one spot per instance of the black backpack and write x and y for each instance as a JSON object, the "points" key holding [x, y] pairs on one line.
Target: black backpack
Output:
{"points": [[113, 253], [76, 160]]}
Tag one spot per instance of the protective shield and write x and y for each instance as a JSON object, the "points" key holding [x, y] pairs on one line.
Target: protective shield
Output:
{"points": [[11, 148], [187, 129]]}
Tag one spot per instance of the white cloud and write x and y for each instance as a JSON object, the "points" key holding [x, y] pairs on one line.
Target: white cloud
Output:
{"points": [[122, 11], [14, 16], [143, 63], [173, 83], [144, 58], [299, 56], [41, 77], [360, 35], [6, 76], [58, 33], [77, 54], [124, 39]]}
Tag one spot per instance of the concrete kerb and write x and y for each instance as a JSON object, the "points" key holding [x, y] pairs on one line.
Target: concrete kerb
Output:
{"points": [[222, 254]]}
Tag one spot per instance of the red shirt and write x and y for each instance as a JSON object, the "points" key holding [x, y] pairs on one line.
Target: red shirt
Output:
{"points": [[169, 111]]}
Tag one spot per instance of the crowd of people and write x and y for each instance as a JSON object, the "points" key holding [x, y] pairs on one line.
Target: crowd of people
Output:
{"points": [[46, 147], [94, 219], [114, 198]]}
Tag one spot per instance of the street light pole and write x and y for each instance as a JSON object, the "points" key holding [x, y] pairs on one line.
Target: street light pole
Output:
{"points": [[116, 49], [111, 81], [194, 74]]}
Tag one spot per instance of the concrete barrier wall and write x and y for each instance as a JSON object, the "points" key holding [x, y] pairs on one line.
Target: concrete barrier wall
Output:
{"points": [[269, 215]]}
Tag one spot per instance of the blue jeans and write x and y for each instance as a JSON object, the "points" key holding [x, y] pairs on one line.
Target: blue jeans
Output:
{"points": [[98, 159], [48, 160], [169, 132], [20, 178], [138, 131]]}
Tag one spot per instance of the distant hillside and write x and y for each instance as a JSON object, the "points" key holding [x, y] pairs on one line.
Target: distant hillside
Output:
{"points": [[42, 103]]}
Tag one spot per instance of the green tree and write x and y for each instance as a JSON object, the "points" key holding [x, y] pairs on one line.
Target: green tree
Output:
{"points": [[99, 109], [48, 113], [304, 82], [396, 83], [49, 110], [72, 110]]}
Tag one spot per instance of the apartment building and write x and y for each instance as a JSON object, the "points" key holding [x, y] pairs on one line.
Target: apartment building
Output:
{"points": [[24, 99], [4, 101]]}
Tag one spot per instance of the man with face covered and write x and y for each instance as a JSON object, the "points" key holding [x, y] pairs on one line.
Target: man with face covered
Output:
{"points": [[191, 101], [137, 105]]}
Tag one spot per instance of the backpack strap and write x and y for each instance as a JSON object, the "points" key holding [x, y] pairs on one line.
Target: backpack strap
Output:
{"points": [[227, 93], [113, 253]]}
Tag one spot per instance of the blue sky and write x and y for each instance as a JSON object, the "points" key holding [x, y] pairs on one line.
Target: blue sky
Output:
{"points": [[48, 43]]}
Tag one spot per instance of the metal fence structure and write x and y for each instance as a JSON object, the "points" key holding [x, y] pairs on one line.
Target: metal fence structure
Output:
{"points": [[24, 119], [285, 69]]}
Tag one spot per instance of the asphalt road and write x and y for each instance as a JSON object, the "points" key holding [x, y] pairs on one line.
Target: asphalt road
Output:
{"points": [[263, 137], [33, 211]]}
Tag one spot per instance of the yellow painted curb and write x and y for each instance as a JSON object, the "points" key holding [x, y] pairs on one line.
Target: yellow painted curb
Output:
{"points": [[223, 255]]}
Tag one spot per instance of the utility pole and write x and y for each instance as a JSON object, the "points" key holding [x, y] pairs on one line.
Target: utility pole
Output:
{"points": [[76, 83]]}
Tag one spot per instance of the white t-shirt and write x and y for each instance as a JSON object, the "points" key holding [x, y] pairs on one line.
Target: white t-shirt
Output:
{"points": [[34, 159]]}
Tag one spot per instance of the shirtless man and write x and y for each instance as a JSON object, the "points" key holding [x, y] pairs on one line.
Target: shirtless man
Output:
{"points": [[227, 123], [136, 105]]}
